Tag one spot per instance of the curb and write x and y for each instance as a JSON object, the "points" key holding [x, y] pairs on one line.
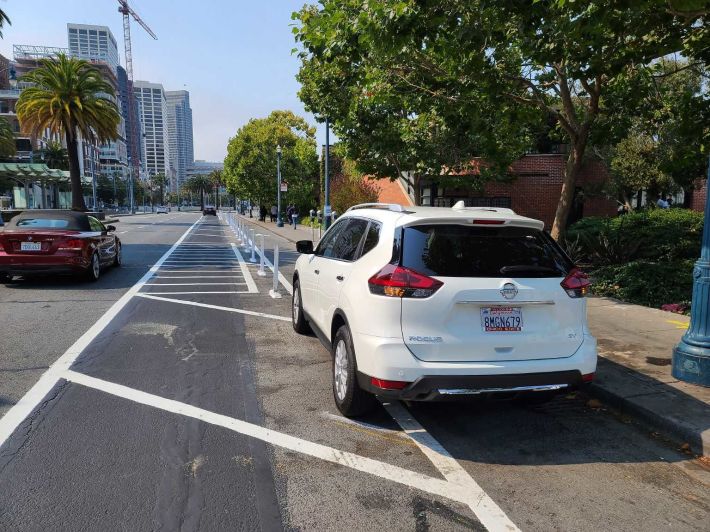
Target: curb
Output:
{"points": [[678, 429]]}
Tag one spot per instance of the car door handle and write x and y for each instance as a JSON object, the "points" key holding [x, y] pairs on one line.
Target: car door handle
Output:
{"points": [[340, 277], [316, 272]]}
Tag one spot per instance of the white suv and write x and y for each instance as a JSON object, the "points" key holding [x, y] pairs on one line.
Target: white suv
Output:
{"points": [[422, 303]]}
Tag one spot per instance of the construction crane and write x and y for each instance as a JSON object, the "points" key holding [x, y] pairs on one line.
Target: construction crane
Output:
{"points": [[127, 13]]}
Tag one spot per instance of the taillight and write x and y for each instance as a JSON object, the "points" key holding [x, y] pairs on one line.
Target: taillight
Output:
{"points": [[589, 377], [398, 281], [576, 284], [488, 222], [72, 244]]}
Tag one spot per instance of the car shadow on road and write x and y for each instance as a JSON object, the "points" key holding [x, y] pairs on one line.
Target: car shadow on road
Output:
{"points": [[137, 260]]}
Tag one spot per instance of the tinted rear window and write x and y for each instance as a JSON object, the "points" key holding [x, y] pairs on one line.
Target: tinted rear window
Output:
{"points": [[43, 223], [464, 251]]}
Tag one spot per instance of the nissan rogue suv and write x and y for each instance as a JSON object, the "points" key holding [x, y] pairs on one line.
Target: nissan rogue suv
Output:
{"points": [[424, 303]]}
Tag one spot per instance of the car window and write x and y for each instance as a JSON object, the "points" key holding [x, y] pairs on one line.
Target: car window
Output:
{"points": [[348, 240], [325, 246], [43, 223], [371, 238], [464, 251], [95, 224]]}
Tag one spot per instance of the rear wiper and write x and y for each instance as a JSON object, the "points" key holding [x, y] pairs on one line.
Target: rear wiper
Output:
{"points": [[532, 268]]}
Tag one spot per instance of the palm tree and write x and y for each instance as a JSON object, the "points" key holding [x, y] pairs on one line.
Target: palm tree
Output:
{"points": [[216, 180], [55, 156], [199, 184], [3, 20], [7, 140], [160, 180], [69, 96]]}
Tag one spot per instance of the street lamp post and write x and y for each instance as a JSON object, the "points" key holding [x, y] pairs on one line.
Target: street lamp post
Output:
{"points": [[691, 357], [279, 221], [326, 171]]}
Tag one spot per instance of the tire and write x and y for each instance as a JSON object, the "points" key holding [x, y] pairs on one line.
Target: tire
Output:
{"points": [[300, 324], [118, 259], [93, 272], [351, 400], [5, 278]]}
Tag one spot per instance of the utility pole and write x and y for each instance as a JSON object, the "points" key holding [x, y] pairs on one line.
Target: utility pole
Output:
{"points": [[691, 357], [327, 215], [279, 221]]}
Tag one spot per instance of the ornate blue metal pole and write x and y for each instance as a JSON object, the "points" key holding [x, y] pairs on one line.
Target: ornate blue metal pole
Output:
{"points": [[691, 357]]}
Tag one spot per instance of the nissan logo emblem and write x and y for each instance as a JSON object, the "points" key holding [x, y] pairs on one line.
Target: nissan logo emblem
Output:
{"points": [[509, 291]]}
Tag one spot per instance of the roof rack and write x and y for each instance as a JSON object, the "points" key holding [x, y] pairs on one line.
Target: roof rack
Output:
{"points": [[461, 206], [394, 207]]}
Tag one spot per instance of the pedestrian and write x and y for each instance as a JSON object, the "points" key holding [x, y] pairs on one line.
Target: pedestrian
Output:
{"points": [[661, 203], [262, 214], [274, 210], [289, 212], [294, 216], [669, 201]]}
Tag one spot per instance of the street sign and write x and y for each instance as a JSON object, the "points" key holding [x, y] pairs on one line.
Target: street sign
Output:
{"points": [[327, 210], [284, 187]]}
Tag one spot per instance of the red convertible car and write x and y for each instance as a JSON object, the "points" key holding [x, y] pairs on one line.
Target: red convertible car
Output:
{"points": [[57, 241]]}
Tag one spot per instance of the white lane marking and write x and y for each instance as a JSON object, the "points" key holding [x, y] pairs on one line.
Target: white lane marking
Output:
{"points": [[238, 276], [165, 269], [362, 424], [198, 293], [151, 295], [191, 284], [485, 509], [245, 270], [34, 396], [363, 464]]}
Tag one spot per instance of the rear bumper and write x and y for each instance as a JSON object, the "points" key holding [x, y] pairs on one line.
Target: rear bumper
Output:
{"points": [[42, 265], [389, 359], [437, 387]]}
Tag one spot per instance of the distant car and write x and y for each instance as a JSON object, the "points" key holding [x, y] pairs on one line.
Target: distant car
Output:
{"points": [[39, 242], [426, 303], [209, 209], [162, 209]]}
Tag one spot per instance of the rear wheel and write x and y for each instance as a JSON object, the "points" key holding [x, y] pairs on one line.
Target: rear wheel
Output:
{"points": [[351, 400], [94, 271], [5, 278], [300, 325]]}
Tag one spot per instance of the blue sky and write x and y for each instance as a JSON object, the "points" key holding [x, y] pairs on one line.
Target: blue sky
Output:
{"points": [[233, 56]]}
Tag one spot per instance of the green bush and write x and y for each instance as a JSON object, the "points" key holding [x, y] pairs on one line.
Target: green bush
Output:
{"points": [[646, 283], [655, 235]]}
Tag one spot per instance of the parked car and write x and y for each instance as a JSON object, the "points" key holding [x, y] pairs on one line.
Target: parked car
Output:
{"points": [[427, 303], [162, 209], [209, 209], [57, 242]]}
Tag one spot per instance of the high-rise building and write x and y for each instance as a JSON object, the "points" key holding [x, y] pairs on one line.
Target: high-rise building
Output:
{"points": [[182, 153], [154, 119], [134, 146], [93, 43]]}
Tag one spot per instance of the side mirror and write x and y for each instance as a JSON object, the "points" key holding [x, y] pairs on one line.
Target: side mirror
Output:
{"points": [[305, 247], [110, 227]]}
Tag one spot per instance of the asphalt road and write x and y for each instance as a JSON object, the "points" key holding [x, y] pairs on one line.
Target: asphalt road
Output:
{"points": [[194, 406]]}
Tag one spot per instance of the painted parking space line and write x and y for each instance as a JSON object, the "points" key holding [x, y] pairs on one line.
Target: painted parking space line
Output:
{"points": [[406, 477], [193, 284], [29, 402], [152, 295], [238, 276], [485, 509], [245, 270], [202, 292]]}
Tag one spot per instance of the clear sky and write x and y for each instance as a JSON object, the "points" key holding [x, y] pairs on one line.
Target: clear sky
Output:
{"points": [[234, 56]]}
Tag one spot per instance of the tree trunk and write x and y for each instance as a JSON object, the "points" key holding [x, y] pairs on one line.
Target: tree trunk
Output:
{"points": [[77, 193], [569, 181]]}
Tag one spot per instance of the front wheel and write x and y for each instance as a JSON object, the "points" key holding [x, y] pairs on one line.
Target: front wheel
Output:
{"points": [[94, 271], [300, 325], [351, 400]]}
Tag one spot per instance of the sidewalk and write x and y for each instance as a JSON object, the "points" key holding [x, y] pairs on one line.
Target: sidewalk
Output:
{"points": [[301, 232], [634, 371]]}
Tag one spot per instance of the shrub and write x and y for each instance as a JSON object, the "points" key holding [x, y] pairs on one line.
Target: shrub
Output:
{"points": [[646, 283], [654, 235]]}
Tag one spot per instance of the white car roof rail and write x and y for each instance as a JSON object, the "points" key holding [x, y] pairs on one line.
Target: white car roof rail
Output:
{"points": [[460, 206], [394, 207]]}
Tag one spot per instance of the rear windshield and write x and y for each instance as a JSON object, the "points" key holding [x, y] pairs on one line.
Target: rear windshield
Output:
{"points": [[43, 223], [464, 251]]}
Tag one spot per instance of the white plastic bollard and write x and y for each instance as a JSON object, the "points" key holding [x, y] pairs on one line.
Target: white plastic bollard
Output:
{"points": [[252, 259], [274, 292], [261, 272]]}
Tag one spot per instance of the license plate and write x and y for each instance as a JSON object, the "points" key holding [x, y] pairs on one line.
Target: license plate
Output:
{"points": [[30, 246], [502, 319]]}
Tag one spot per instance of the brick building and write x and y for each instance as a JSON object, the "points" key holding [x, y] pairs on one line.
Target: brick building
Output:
{"points": [[534, 192]]}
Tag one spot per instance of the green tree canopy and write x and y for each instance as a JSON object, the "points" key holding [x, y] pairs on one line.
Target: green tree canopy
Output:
{"points": [[69, 96], [483, 66], [250, 165]]}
